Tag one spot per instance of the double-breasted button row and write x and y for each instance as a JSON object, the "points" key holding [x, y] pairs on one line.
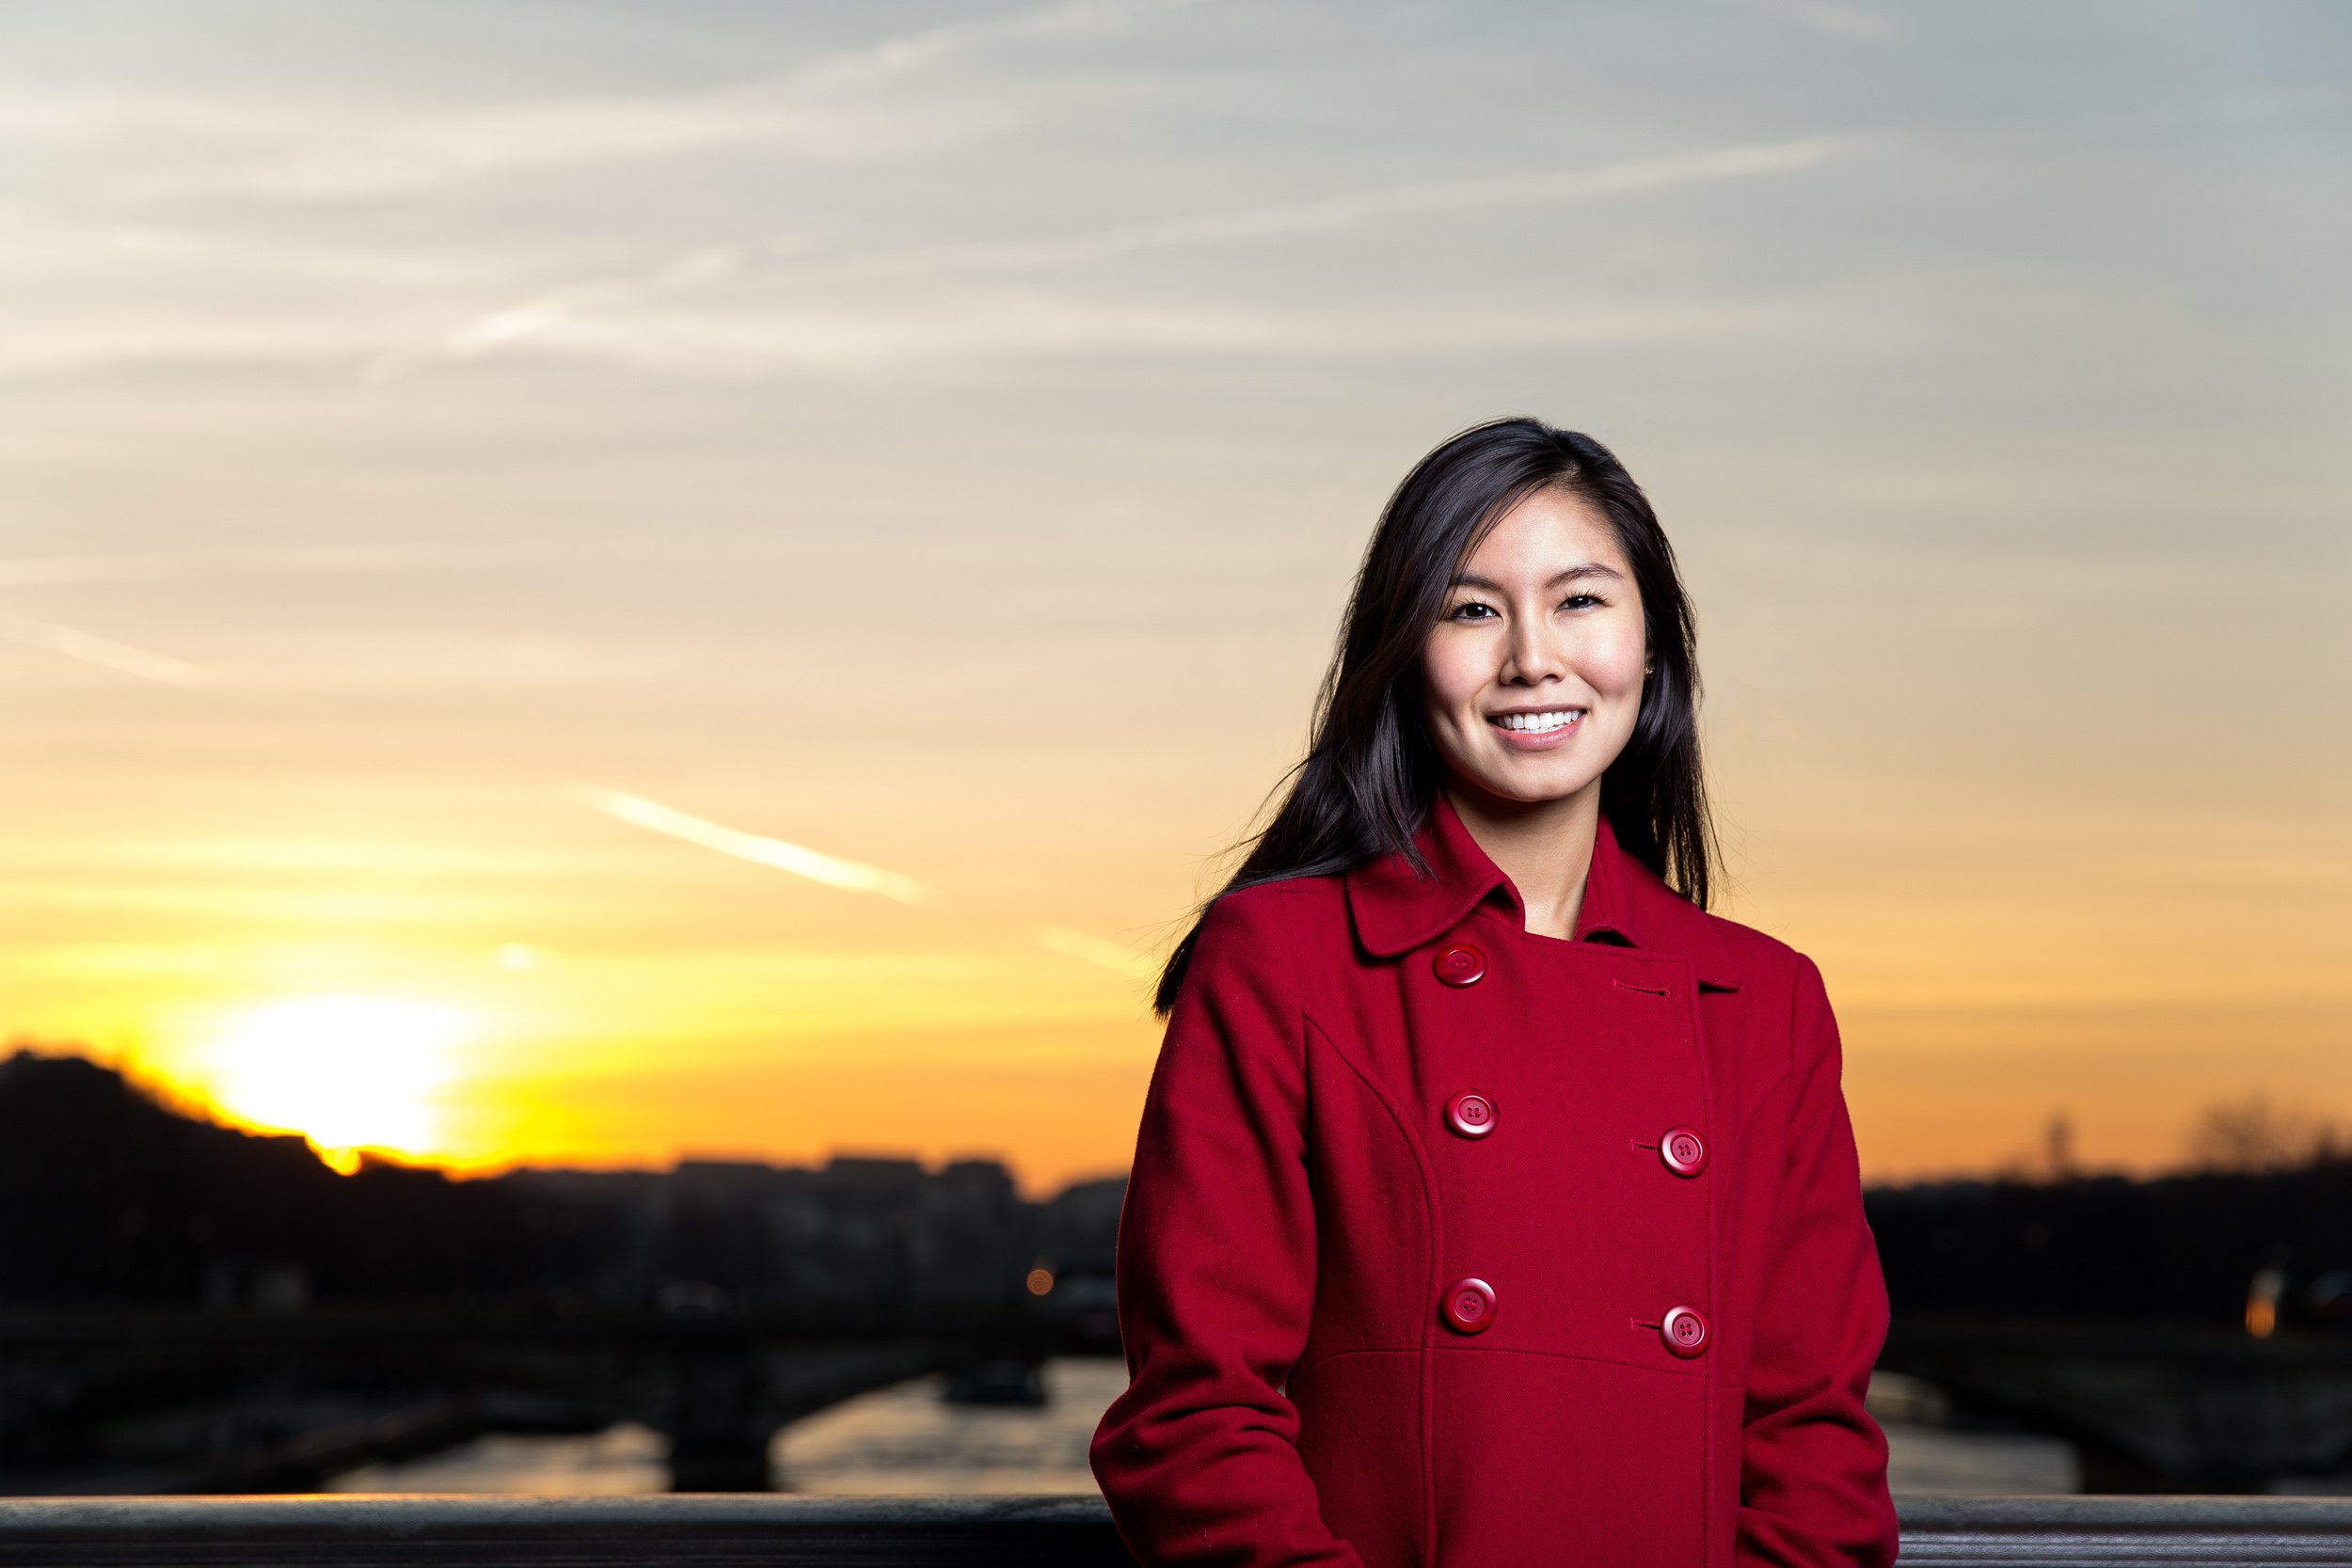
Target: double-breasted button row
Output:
{"points": [[1475, 1116], [1472, 1114], [1471, 1306]]}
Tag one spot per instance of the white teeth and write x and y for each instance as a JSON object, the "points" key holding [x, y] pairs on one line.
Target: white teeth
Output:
{"points": [[1557, 719]]}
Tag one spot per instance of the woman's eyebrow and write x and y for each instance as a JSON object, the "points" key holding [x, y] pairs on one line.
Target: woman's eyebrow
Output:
{"points": [[1582, 569]]}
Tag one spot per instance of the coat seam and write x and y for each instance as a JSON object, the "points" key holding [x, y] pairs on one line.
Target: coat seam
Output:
{"points": [[1436, 1251], [1613, 1364], [1360, 1350], [1686, 1373], [1712, 1284], [1780, 1191]]}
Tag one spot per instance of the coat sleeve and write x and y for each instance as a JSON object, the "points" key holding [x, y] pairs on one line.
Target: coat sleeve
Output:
{"points": [[1216, 1271], [1813, 1471]]}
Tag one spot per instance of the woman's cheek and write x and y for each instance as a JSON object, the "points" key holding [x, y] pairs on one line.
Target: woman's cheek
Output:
{"points": [[1453, 673], [1613, 667]]}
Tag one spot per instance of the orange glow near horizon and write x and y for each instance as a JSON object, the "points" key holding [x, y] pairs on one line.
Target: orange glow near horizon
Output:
{"points": [[996, 1038], [601, 996]]}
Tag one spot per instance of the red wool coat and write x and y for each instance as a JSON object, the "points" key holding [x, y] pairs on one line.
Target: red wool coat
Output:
{"points": [[1455, 1247]]}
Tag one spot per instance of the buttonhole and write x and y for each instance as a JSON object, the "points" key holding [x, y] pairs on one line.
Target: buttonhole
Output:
{"points": [[1646, 991], [1639, 1324], [1646, 1148]]}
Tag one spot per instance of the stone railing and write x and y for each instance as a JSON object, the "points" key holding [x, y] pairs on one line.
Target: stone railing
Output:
{"points": [[1033, 1532]]}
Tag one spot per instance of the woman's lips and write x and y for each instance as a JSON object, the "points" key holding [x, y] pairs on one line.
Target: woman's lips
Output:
{"points": [[1537, 731]]}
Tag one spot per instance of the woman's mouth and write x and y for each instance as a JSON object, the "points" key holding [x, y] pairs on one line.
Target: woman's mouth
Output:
{"points": [[1537, 728]]}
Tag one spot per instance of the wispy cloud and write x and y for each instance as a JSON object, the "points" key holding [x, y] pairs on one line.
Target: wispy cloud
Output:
{"points": [[1626, 177], [851, 876], [1098, 951], [195, 247], [537, 317], [1040, 325], [28, 113], [107, 653], [826, 108], [34, 571], [330, 560], [931, 45], [642, 321]]}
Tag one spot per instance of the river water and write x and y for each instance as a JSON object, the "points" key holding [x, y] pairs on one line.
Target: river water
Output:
{"points": [[908, 1440]]}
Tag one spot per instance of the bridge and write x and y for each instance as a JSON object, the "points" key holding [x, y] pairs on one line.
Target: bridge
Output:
{"points": [[1013, 1532], [182, 1402], [186, 1401], [2153, 1409]]}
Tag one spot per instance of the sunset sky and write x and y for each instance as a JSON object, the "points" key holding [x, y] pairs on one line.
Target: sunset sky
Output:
{"points": [[596, 581]]}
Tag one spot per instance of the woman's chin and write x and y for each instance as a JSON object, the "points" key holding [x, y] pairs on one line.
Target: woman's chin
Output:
{"points": [[1508, 787]]}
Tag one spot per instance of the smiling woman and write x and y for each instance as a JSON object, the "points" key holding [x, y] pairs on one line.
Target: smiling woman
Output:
{"points": [[353, 1075], [1490, 1193]]}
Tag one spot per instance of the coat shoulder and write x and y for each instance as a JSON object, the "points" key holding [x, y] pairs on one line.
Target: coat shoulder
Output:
{"points": [[1295, 908], [1765, 962], [1263, 931]]}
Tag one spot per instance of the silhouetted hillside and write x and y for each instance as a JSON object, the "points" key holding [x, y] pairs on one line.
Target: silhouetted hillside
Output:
{"points": [[105, 1195]]}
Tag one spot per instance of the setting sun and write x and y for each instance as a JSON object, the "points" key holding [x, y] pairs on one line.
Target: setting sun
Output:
{"points": [[350, 1073]]}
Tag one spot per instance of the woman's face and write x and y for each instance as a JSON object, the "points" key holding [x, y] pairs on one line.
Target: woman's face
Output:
{"points": [[1534, 674]]}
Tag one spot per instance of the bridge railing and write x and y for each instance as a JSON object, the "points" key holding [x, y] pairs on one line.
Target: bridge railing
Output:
{"points": [[1033, 1532]]}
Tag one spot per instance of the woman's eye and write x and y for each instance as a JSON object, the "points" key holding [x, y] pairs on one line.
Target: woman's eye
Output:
{"points": [[1474, 611], [1580, 601]]}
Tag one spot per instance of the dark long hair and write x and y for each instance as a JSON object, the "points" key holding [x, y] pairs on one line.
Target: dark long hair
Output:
{"points": [[1372, 773]]}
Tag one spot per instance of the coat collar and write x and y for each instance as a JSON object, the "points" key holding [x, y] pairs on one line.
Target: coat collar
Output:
{"points": [[1397, 909]]}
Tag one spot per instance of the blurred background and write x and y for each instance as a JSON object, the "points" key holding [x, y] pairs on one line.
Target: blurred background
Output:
{"points": [[625, 629]]}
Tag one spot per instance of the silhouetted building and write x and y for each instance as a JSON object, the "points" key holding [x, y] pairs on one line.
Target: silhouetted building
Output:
{"points": [[107, 1195]]}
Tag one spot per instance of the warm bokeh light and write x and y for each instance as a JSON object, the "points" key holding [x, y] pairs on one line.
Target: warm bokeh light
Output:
{"points": [[353, 1075]]}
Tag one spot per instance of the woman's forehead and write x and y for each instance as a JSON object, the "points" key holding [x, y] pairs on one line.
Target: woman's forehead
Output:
{"points": [[1545, 534]]}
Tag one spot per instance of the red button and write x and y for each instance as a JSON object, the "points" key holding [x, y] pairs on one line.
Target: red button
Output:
{"points": [[1684, 1329], [1470, 1114], [1684, 1151], [1460, 965], [1469, 1305]]}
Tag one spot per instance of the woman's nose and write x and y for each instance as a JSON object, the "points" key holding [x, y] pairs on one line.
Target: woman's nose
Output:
{"points": [[1533, 655]]}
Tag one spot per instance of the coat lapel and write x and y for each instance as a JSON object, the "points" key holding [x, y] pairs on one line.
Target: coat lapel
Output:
{"points": [[1397, 908]]}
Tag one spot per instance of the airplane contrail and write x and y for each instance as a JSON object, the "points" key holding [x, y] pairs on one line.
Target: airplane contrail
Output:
{"points": [[108, 654], [635, 810], [849, 876], [1096, 951]]}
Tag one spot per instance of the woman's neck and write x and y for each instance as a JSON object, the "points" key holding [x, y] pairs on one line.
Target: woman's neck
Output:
{"points": [[1544, 846]]}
